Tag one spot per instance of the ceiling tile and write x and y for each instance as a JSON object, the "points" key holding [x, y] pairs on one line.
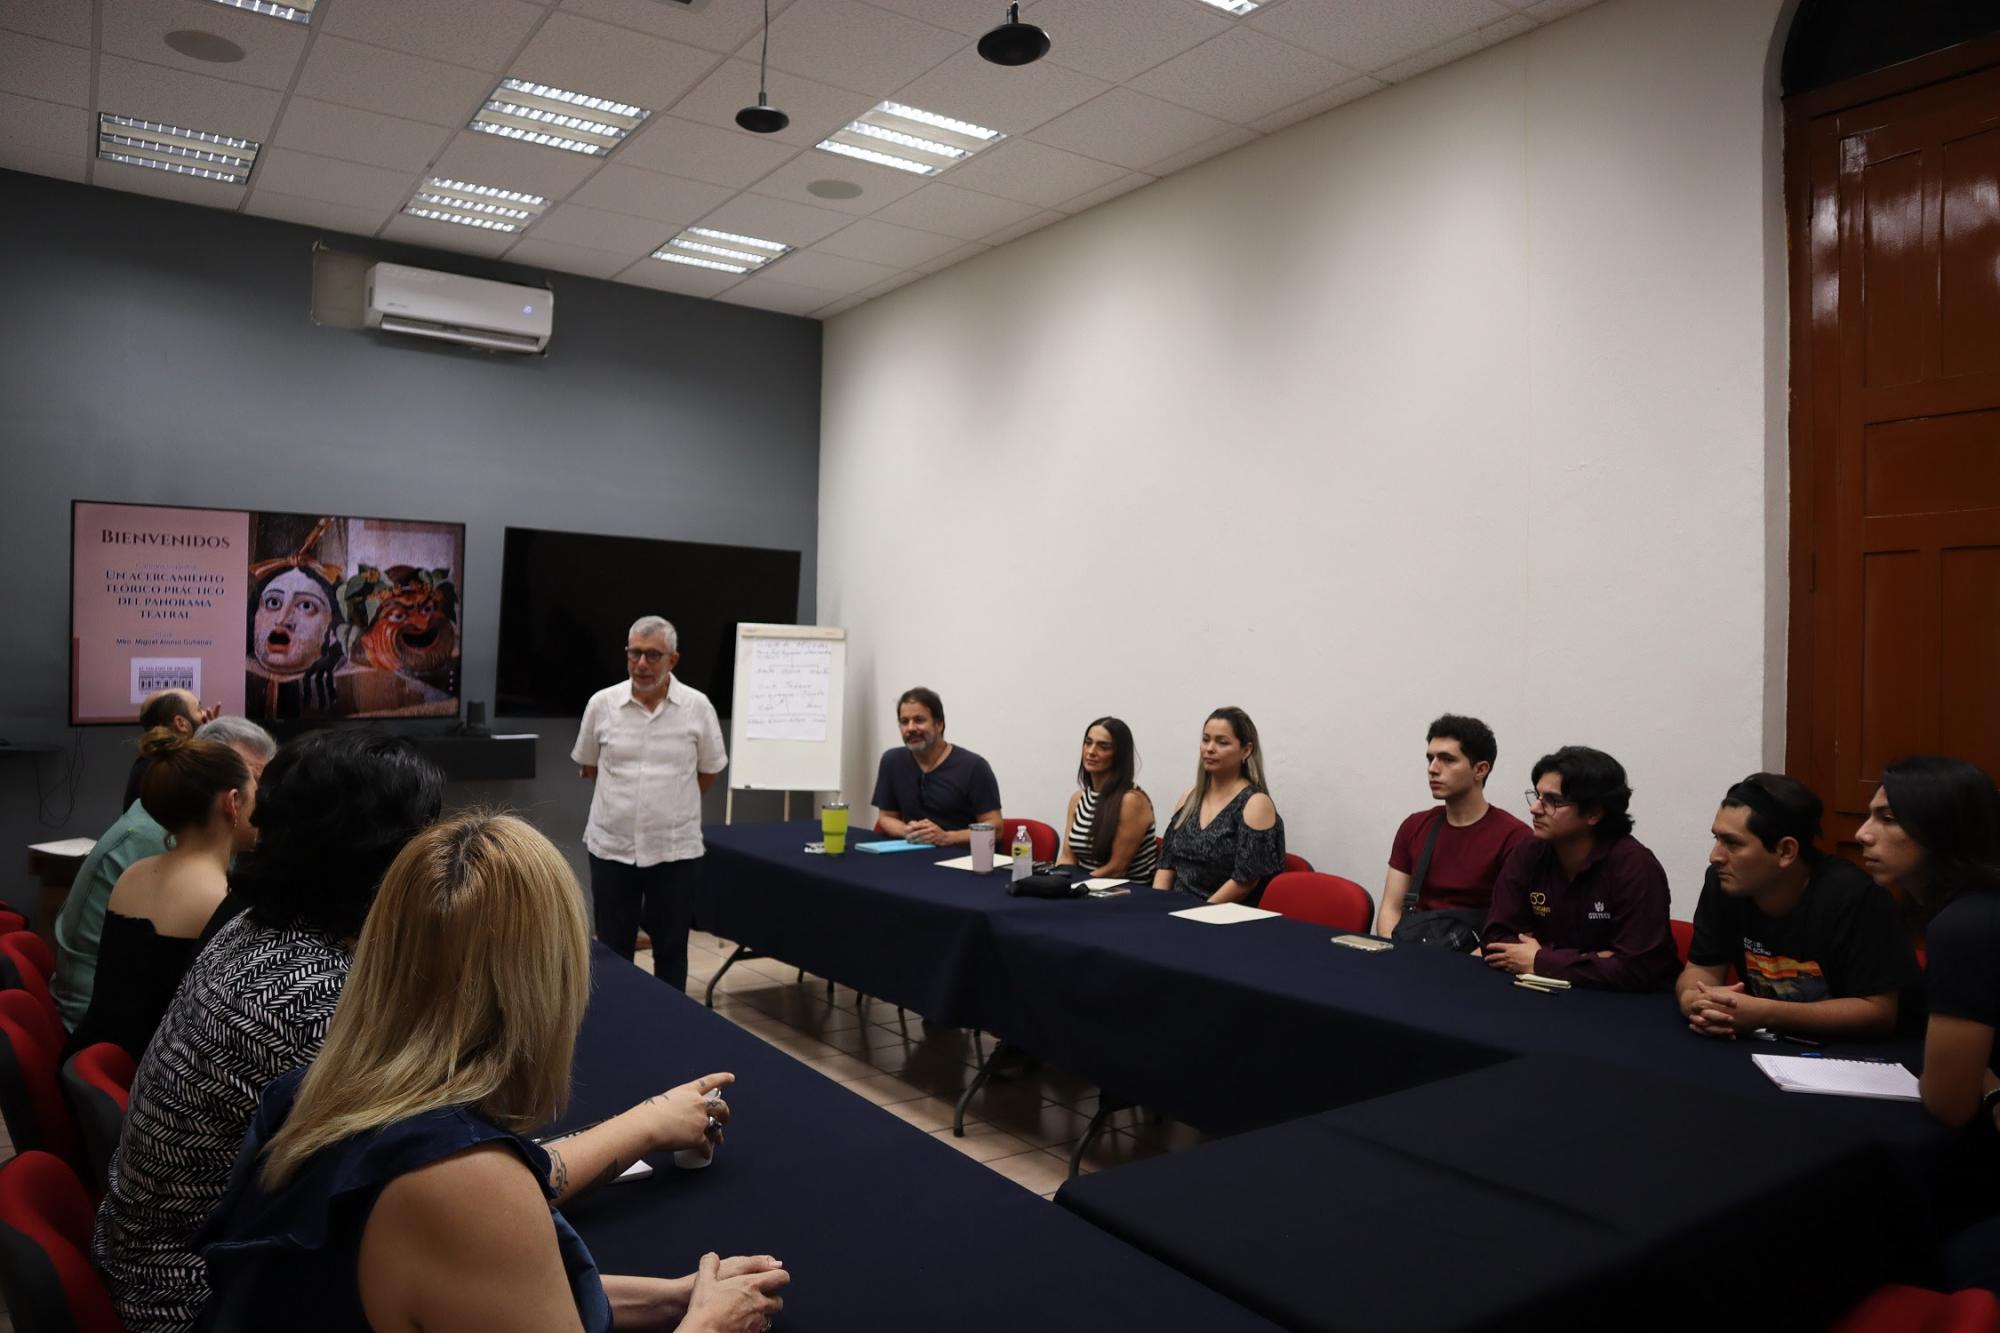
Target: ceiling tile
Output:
{"points": [[648, 194], [1013, 101], [48, 70], [1234, 137], [841, 307], [391, 82], [1129, 128], [1367, 37], [816, 109], [447, 236], [192, 101], [776, 220], [886, 243], [879, 185], [865, 295], [46, 127], [309, 176], [1457, 48], [664, 277], [63, 166], [486, 160], [1241, 75], [832, 273], [589, 57], [958, 256], [1123, 185], [271, 48], [1022, 228], [481, 33], [1319, 103], [1033, 173], [694, 151], [954, 212], [567, 258], [771, 294], [596, 229], [716, 26], [58, 20], [969, 17], [1120, 39], [1545, 11], [316, 212], [359, 136], [166, 185], [854, 46]]}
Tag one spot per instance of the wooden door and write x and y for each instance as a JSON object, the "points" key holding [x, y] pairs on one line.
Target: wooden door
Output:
{"points": [[1895, 195]]}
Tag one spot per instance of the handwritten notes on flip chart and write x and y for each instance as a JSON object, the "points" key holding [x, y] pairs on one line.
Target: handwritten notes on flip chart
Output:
{"points": [[790, 684]]}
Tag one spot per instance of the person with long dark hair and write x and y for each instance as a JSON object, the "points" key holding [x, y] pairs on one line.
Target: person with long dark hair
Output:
{"points": [[1110, 820], [1225, 840]]}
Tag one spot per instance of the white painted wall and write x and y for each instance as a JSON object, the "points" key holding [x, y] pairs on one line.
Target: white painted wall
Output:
{"points": [[1457, 397]]}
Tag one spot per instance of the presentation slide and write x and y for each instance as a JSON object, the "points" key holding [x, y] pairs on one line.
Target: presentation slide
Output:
{"points": [[272, 615]]}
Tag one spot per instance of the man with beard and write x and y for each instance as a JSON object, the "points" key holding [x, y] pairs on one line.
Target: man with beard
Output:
{"points": [[927, 789]]}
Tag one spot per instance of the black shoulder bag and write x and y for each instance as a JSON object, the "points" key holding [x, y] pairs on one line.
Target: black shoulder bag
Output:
{"points": [[1454, 928]]}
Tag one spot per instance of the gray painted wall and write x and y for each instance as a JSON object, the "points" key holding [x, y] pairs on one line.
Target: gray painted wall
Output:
{"points": [[161, 353]]}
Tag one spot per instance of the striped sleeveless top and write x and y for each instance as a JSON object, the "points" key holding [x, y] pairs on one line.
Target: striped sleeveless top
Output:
{"points": [[1080, 825]]}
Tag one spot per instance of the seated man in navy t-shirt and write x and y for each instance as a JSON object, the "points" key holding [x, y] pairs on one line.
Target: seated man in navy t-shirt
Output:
{"points": [[927, 789], [1818, 947]]}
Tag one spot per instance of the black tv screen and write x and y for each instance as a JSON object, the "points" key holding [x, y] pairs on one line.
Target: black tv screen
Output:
{"points": [[567, 599]]}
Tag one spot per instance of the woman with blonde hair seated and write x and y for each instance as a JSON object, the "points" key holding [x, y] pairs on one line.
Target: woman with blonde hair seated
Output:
{"points": [[390, 1185]]}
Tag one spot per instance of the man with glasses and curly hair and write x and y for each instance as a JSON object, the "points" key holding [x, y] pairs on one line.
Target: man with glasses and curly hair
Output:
{"points": [[652, 744]]}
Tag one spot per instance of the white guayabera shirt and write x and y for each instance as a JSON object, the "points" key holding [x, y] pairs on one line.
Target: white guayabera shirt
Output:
{"points": [[647, 805]]}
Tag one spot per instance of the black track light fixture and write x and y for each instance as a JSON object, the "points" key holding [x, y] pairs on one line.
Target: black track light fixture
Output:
{"points": [[765, 118], [1014, 42]]}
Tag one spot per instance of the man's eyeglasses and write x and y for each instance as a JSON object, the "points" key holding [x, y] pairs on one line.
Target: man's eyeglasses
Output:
{"points": [[650, 656], [1547, 800]]}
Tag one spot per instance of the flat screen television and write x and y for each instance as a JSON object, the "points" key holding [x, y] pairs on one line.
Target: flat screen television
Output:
{"points": [[276, 616], [568, 598]]}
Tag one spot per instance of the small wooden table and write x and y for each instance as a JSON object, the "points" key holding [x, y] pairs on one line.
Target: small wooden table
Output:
{"points": [[54, 866]]}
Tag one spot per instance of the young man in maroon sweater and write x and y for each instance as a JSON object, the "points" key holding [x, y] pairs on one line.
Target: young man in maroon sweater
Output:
{"points": [[1473, 837], [1584, 902]]}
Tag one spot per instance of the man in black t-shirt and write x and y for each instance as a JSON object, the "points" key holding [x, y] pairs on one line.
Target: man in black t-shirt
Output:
{"points": [[1817, 945], [927, 789]]}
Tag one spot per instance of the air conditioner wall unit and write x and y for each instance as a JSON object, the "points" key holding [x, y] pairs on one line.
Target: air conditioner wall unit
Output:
{"points": [[422, 303]]}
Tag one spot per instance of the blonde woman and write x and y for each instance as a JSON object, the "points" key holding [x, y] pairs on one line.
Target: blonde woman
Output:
{"points": [[389, 1186], [1225, 839]]}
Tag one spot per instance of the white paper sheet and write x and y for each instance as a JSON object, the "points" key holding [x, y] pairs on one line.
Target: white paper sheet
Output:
{"points": [[790, 683], [1843, 1078], [965, 862], [1095, 884], [1223, 914], [66, 847]]}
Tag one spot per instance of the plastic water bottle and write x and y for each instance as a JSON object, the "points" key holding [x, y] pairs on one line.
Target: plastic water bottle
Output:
{"points": [[1023, 853]]}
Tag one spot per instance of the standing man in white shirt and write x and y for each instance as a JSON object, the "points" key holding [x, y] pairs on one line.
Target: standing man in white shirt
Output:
{"points": [[653, 746]]}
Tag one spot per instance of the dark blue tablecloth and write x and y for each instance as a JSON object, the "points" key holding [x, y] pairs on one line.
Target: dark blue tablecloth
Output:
{"points": [[882, 1226], [1551, 1192]]}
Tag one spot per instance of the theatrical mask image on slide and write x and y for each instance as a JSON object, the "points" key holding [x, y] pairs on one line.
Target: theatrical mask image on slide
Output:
{"points": [[352, 617]]}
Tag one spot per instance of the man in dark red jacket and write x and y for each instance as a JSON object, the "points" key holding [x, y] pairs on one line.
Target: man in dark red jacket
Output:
{"points": [[1584, 901]]}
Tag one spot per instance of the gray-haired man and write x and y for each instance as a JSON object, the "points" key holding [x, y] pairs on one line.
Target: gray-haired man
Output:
{"points": [[652, 745]]}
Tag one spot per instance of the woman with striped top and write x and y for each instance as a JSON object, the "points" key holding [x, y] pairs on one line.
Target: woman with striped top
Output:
{"points": [[1110, 819]]}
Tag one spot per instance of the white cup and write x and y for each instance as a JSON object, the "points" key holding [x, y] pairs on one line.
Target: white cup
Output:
{"points": [[982, 848]]}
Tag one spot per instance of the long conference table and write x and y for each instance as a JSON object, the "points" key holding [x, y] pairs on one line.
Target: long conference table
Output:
{"points": [[882, 1226], [1267, 1024]]}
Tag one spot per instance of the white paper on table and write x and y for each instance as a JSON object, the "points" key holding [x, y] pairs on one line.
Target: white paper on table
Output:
{"points": [[66, 847], [1843, 1078], [1223, 914], [965, 862], [1095, 884], [790, 683]]}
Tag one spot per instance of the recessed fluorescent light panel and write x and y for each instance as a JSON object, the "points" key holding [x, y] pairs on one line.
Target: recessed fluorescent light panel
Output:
{"points": [[557, 117], [908, 138], [486, 207], [147, 143], [301, 12], [1237, 7], [724, 251]]}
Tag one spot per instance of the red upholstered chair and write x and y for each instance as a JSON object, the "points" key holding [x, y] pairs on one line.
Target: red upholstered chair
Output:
{"points": [[1683, 937], [97, 1080], [25, 966], [1296, 864], [1898, 1309], [45, 1272], [30, 1089], [11, 921], [1048, 843], [1329, 900], [27, 951]]}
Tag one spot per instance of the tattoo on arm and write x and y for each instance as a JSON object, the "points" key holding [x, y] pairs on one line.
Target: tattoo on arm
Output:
{"points": [[558, 1172]]}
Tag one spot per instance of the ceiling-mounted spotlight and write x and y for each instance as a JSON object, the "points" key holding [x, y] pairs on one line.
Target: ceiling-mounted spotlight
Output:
{"points": [[765, 118], [1014, 42]]}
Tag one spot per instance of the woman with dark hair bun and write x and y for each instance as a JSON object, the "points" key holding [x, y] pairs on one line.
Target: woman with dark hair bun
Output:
{"points": [[204, 794], [1109, 828]]}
